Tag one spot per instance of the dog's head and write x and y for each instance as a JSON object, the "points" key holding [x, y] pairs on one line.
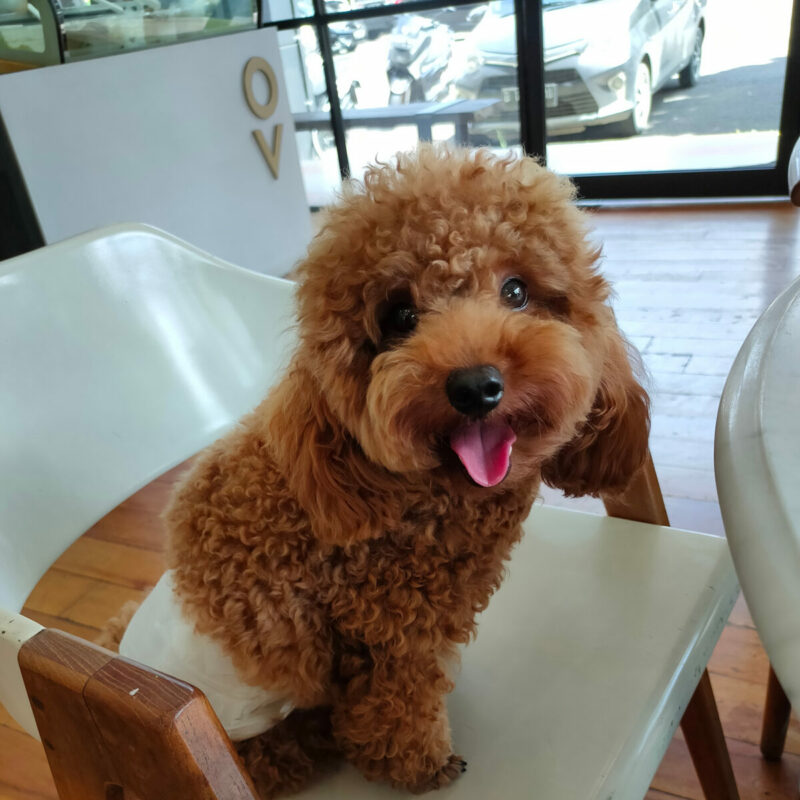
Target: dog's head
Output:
{"points": [[451, 313]]}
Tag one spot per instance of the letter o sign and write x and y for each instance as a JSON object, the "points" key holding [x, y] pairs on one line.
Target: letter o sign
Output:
{"points": [[256, 64]]}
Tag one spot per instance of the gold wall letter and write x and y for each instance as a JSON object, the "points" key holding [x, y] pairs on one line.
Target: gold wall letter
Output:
{"points": [[264, 110], [272, 155], [254, 65]]}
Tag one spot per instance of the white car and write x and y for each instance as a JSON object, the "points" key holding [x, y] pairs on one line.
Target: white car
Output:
{"points": [[604, 59]]}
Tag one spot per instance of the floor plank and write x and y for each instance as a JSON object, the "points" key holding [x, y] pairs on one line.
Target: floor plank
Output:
{"points": [[24, 774], [739, 654], [741, 706], [756, 778], [112, 562], [87, 632]]}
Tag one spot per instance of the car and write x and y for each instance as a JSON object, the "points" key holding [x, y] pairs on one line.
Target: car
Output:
{"points": [[604, 59]]}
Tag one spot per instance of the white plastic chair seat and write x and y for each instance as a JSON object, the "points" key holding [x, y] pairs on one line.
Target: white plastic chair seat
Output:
{"points": [[584, 662], [757, 464], [586, 657]]}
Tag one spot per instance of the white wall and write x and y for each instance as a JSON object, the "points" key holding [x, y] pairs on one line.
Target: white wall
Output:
{"points": [[163, 136]]}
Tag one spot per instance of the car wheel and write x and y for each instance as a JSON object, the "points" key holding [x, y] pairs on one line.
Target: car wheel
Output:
{"points": [[690, 74], [642, 103]]}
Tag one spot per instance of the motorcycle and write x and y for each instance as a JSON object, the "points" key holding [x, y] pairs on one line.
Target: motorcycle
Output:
{"points": [[419, 55]]}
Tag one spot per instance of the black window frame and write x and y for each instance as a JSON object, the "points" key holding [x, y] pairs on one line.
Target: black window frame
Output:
{"points": [[749, 181]]}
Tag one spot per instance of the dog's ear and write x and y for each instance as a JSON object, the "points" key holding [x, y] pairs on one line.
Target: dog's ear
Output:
{"points": [[611, 445], [346, 497]]}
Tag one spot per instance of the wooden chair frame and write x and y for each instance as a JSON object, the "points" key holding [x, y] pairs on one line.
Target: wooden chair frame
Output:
{"points": [[115, 730]]}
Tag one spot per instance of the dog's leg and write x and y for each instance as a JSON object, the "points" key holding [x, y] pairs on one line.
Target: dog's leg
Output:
{"points": [[289, 755], [391, 723]]}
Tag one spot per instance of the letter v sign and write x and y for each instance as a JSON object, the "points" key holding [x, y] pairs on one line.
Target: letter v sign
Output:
{"points": [[271, 154], [264, 110]]}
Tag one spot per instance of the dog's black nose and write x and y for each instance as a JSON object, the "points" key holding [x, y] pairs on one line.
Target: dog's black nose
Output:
{"points": [[475, 391]]}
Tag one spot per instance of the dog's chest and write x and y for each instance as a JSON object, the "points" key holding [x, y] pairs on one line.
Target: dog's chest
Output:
{"points": [[427, 579]]}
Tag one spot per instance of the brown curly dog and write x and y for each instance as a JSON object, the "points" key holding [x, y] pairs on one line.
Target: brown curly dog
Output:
{"points": [[455, 349]]}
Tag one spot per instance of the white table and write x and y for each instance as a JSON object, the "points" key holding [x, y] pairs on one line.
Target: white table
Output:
{"points": [[757, 461]]}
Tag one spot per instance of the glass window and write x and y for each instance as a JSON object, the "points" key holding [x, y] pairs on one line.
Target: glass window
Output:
{"points": [[432, 75], [308, 100], [101, 27], [663, 86], [277, 10], [379, 24], [20, 32], [29, 35]]}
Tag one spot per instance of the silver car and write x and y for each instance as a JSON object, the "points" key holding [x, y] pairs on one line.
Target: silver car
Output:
{"points": [[604, 59]]}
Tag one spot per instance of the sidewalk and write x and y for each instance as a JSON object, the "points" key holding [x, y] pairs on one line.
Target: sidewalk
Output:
{"points": [[608, 156]]}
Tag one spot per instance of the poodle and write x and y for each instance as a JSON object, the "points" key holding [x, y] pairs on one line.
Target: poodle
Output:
{"points": [[456, 348]]}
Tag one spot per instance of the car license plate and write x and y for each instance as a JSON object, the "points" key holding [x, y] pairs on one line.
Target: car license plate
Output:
{"points": [[550, 95]]}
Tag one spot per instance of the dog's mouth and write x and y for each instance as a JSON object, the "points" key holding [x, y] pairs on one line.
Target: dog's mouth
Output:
{"points": [[484, 449]]}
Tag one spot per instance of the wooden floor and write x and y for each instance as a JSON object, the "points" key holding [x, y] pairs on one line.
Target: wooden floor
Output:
{"points": [[689, 283]]}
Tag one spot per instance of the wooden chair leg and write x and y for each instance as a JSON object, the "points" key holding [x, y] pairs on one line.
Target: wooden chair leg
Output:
{"points": [[706, 742], [776, 719], [642, 500]]}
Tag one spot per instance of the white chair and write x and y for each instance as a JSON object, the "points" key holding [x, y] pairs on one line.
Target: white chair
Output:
{"points": [[125, 351], [794, 174], [757, 464]]}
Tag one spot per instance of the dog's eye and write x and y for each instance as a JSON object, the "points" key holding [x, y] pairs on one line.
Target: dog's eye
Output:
{"points": [[399, 320], [514, 293]]}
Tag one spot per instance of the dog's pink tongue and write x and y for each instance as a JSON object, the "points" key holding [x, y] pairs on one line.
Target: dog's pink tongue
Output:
{"points": [[484, 449]]}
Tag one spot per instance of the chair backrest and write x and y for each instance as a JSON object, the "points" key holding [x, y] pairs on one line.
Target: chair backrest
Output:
{"points": [[122, 352], [757, 462], [794, 174]]}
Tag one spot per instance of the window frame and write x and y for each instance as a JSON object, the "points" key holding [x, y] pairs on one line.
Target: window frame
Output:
{"points": [[748, 181]]}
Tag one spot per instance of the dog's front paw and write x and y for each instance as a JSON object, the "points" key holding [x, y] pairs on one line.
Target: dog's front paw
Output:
{"points": [[452, 769]]}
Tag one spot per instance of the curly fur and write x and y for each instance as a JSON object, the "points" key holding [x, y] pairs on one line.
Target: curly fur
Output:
{"points": [[332, 542]]}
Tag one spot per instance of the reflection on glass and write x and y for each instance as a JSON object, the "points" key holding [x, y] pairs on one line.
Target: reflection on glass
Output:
{"points": [[666, 85], [101, 27], [308, 101], [490, 72], [407, 83], [277, 10], [28, 35], [20, 31], [374, 26]]}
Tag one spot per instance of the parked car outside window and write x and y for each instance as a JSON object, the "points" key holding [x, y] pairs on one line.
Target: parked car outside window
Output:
{"points": [[604, 59]]}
